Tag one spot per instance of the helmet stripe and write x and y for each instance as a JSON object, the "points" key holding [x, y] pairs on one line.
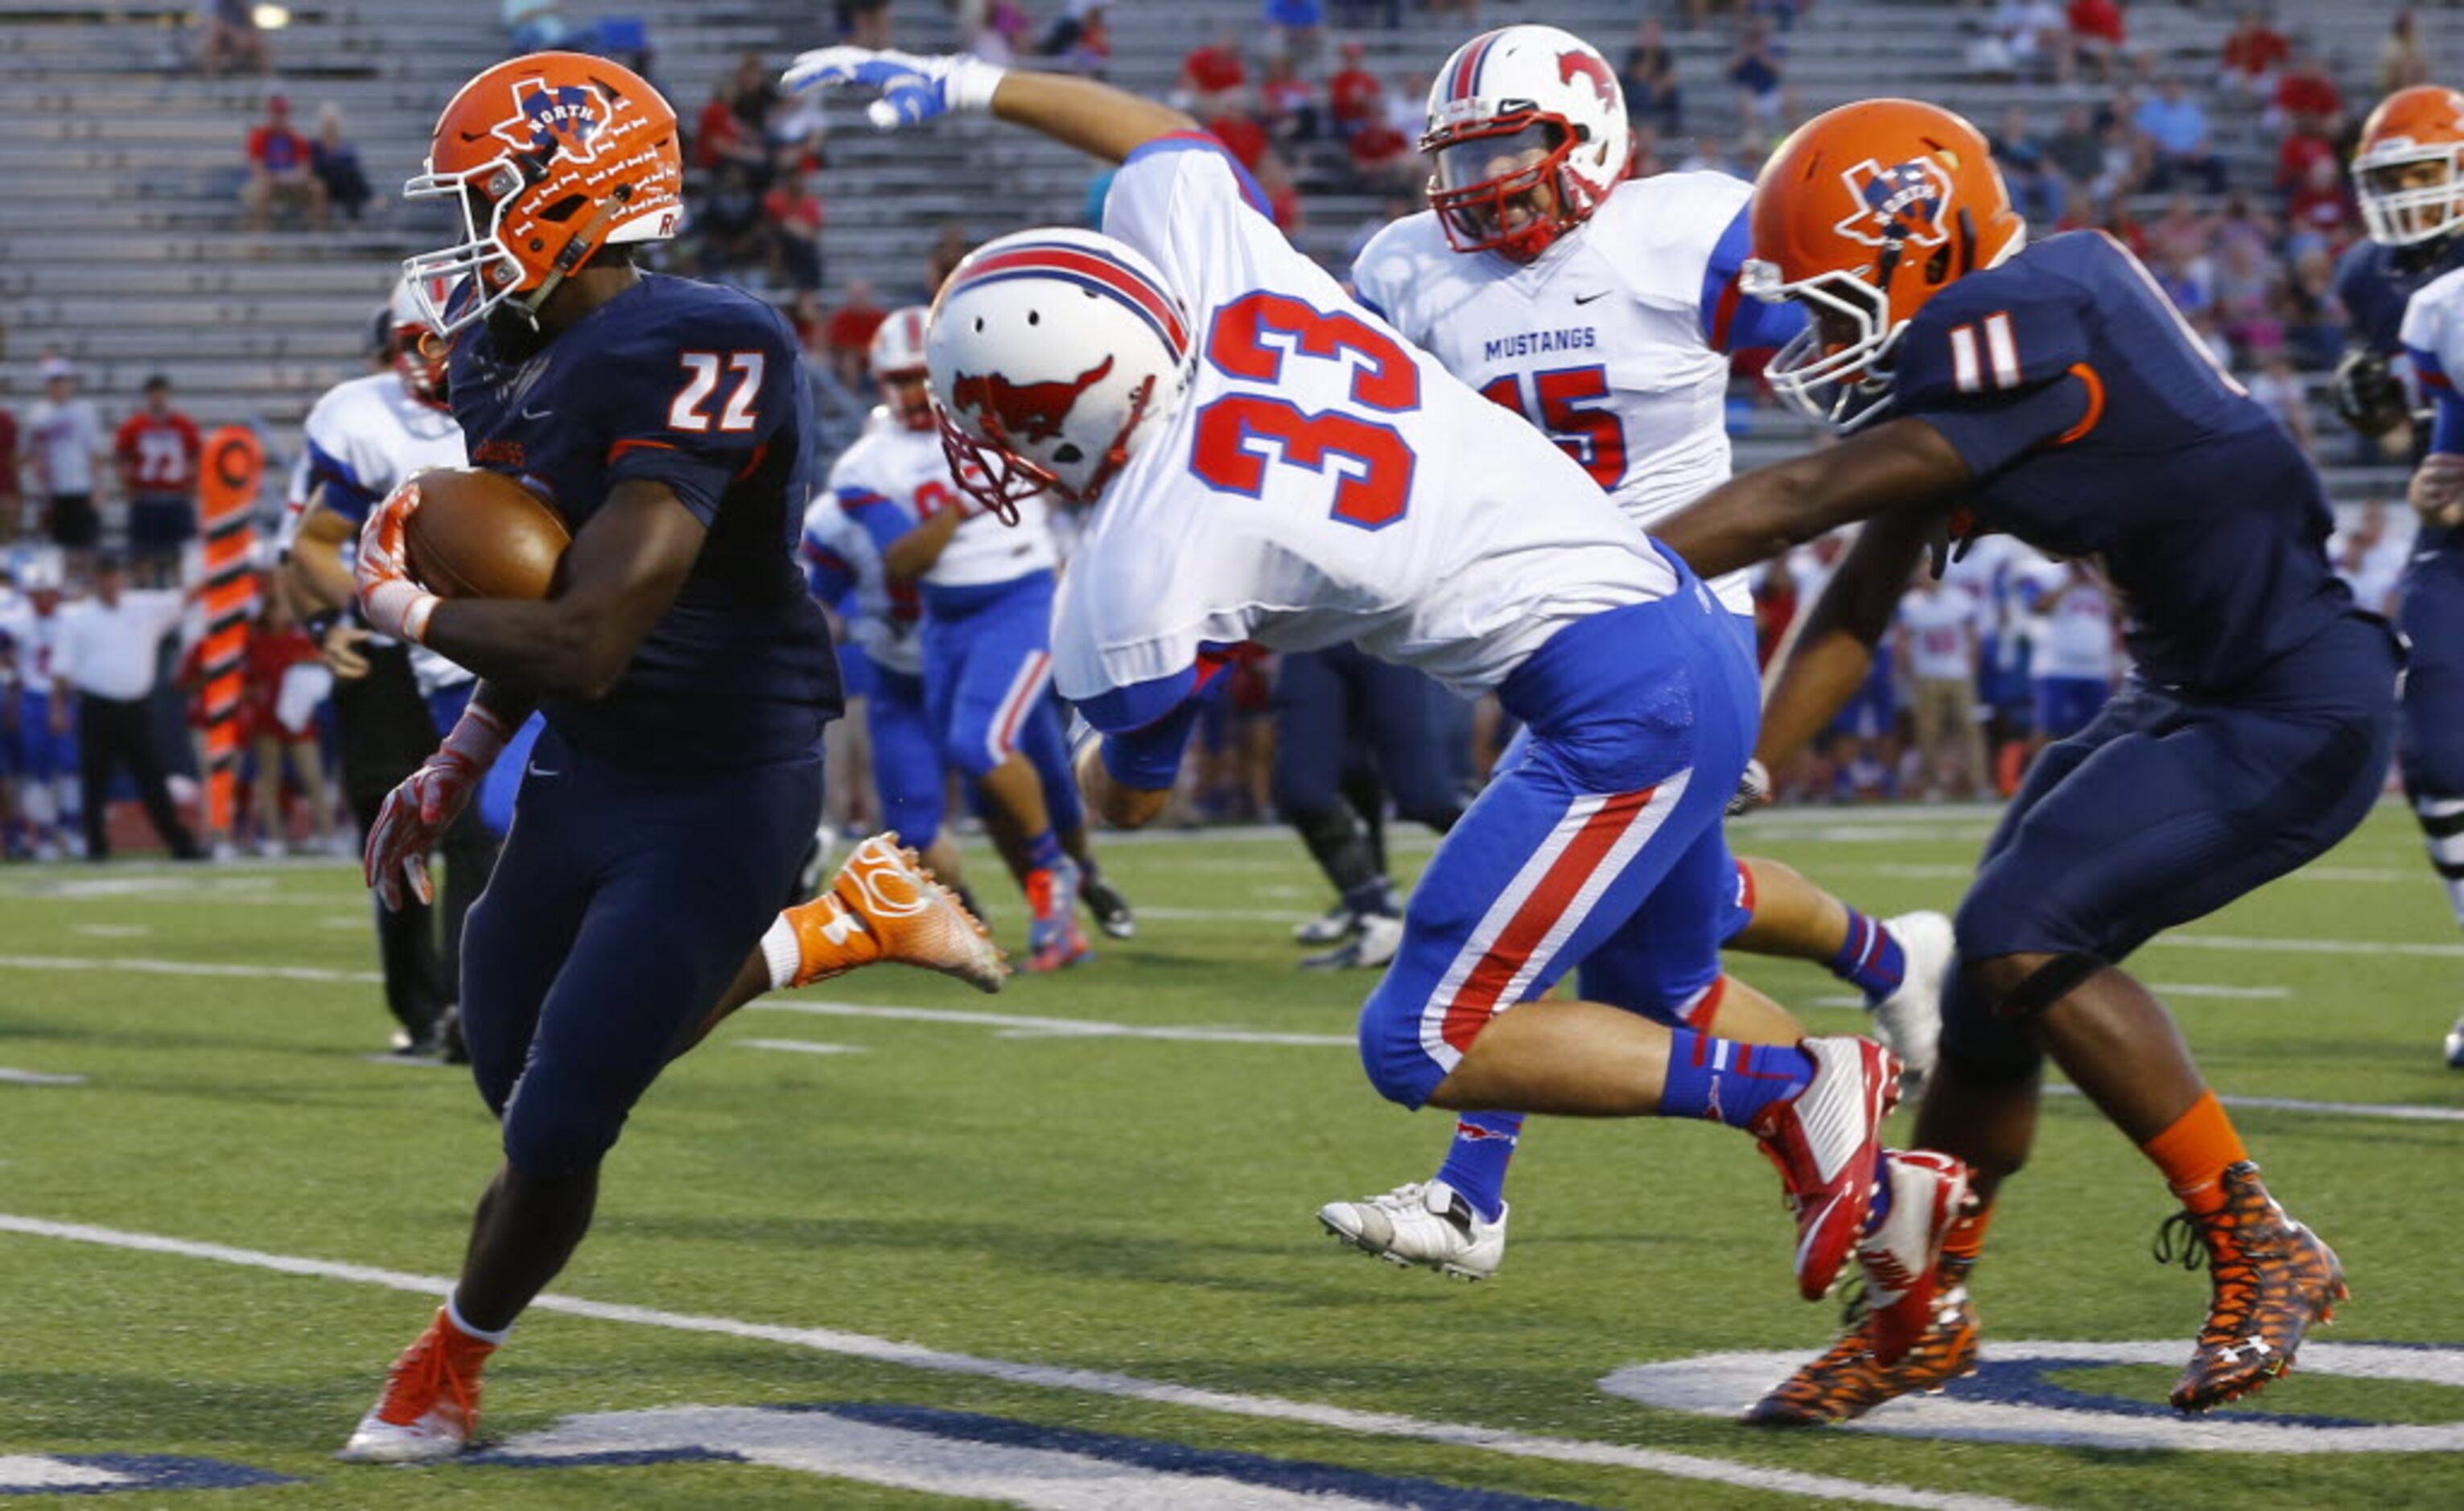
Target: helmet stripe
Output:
{"points": [[1467, 80], [1089, 269]]}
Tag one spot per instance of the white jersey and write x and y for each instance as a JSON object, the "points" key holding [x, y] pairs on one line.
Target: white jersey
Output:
{"points": [[909, 469], [1600, 342], [1938, 625], [1434, 530], [364, 438], [2073, 633], [33, 661], [885, 617], [2434, 322]]}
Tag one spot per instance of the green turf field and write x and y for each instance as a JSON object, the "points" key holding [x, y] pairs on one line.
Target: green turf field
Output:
{"points": [[1007, 1238]]}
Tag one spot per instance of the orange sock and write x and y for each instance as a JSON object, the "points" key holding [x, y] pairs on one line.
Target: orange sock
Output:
{"points": [[2194, 1151], [1965, 1239]]}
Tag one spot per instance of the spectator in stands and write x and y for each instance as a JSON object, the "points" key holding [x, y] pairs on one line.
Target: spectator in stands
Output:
{"points": [[1212, 76], [1649, 76], [1238, 131], [994, 31], [1388, 13], [2024, 39], [1353, 94], [1295, 28], [865, 23], [335, 163], [2253, 53], [1384, 160], [535, 26], [720, 136], [851, 334], [2304, 89], [1756, 68], [157, 450], [287, 681], [2178, 138], [1284, 207], [2097, 36], [2017, 135], [232, 42], [2280, 391], [2305, 143], [796, 136], [2037, 192], [2184, 233], [1288, 102], [2314, 326], [729, 224], [2321, 212], [1080, 39], [66, 448], [12, 498], [109, 657], [2402, 63], [279, 165], [948, 249], [811, 323], [795, 218], [1407, 109], [752, 93], [2076, 151]]}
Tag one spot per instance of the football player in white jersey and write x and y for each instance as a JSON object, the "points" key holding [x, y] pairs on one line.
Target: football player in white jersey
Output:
{"points": [[1604, 311], [39, 728], [982, 589], [1270, 462]]}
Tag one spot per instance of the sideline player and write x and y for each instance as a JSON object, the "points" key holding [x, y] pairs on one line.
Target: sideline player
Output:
{"points": [[1603, 310], [363, 439], [41, 730], [2402, 290], [684, 674], [1269, 463], [984, 589], [2053, 393]]}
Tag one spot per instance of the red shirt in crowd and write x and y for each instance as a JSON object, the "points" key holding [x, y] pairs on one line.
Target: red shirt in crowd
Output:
{"points": [[1242, 137], [278, 149], [1354, 96], [2293, 159], [8, 455], [717, 130], [160, 452], [2255, 51], [2321, 207], [2308, 91], [2096, 18], [269, 654], [851, 326], [1376, 144], [1213, 68], [802, 212]]}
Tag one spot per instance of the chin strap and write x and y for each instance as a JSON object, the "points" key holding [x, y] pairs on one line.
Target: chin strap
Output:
{"points": [[576, 250]]}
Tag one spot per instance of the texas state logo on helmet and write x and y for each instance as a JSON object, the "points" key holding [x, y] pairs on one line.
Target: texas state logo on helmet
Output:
{"points": [[1864, 214], [550, 158], [897, 363], [2409, 168], [1527, 137], [1053, 354]]}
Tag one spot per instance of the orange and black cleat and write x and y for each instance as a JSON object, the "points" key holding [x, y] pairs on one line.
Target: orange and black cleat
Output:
{"points": [[2273, 1280], [883, 906], [1847, 1382]]}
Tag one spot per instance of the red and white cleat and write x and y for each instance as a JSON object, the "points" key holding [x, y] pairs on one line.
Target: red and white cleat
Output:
{"points": [[1827, 1143]]}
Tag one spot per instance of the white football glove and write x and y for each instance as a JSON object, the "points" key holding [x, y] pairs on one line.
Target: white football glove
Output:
{"points": [[913, 88], [2437, 490]]}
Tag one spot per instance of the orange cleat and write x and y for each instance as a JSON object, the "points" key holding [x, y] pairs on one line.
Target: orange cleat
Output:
{"points": [[430, 1405], [1848, 1381], [883, 906], [2273, 1278]]}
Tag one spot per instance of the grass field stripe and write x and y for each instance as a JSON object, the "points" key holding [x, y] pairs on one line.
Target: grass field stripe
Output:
{"points": [[2397, 1111], [145, 967], [860, 1345], [10, 1076], [1057, 1027], [2431, 952]]}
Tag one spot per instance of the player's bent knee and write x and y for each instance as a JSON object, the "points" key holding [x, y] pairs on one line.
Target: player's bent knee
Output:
{"points": [[551, 1137], [1398, 1066], [2020, 986]]}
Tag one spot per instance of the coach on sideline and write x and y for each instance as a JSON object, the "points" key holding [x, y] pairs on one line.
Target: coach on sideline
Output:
{"points": [[110, 653]]}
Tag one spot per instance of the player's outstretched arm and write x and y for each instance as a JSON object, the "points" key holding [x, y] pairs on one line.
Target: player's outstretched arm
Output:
{"points": [[1831, 648], [1757, 515], [1092, 117]]}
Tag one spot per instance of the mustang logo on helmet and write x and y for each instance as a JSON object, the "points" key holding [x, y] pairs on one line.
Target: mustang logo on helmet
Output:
{"points": [[564, 118], [1908, 202], [1026, 411], [1585, 65]]}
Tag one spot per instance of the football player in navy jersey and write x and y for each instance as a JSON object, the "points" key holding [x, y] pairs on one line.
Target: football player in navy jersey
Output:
{"points": [[683, 675], [2403, 290], [2052, 392]]}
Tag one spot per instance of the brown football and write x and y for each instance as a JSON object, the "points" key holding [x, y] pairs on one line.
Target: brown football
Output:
{"points": [[481, 535]]}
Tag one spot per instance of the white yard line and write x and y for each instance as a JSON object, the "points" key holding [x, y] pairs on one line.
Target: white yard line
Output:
{"points": [[2398, 1111], [1055, 1377], [1019, 1026], [38, 1078]]}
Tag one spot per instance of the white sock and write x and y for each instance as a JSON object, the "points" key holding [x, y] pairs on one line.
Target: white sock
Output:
{"points": [[780, 952], [462, 1325]]}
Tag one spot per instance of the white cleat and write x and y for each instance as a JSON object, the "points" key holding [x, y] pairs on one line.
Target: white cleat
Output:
{"points": [[1427, 1224], [2456, 1047], [1331, 927], [1379, 939], [442, 1433], [1910, 1021]]}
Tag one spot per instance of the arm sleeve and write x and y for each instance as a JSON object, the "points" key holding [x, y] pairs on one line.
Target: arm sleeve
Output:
{"points": [[1732, 321], [1999, 378], [696, 409], [1191, 206], [1146, 726], [353, 481], [875, 515]]}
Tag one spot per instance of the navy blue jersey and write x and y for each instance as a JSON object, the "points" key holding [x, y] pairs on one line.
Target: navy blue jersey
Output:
{"points": [[2374, 290], [2098, 426], [700, 388]]}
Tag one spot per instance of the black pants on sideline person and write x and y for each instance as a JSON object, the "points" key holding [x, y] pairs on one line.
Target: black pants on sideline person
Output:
{"points": [[113, 733]]}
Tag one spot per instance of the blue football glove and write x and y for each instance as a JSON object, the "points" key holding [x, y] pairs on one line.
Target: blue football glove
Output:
{"points": [[913, 88]]}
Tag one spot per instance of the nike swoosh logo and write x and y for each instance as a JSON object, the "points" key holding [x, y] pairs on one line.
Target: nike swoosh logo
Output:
{"points": [[542, 770], [1596, 293], [537, 414]]}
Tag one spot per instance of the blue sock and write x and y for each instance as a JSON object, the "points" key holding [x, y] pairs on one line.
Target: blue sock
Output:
{"points": [[1727, 1081], [1043, 852], [1476, 1164], [1870, 961]]}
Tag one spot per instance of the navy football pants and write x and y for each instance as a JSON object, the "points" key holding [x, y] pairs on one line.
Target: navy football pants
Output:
{"points": [[2168, 807], [1323, 699], [2432, 749], [623, 906]]}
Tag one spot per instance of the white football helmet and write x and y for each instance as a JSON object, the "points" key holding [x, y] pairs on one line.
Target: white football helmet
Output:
{"points": [[1515, 112], [419, 353], [896, 358], [1053, 352]]}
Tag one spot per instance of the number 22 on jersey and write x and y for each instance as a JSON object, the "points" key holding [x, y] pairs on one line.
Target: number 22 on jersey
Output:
{"points": [[689, 413], [1373, 463]]}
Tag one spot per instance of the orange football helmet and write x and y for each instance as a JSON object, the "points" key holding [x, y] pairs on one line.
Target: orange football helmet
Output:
{"points": [[1864, 214], [2409, 169], [551, 157]]}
